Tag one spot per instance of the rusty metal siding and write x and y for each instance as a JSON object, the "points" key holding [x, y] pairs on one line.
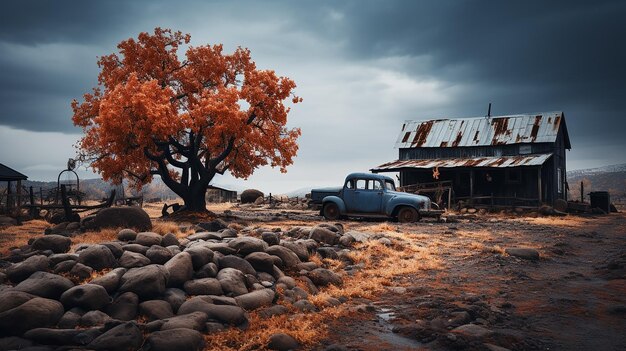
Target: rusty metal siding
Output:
{"points": [[487, 162], [481, 131], [469, 152]]}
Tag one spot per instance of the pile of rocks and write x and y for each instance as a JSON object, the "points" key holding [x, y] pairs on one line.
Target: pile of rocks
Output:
{"points": [[156, 292]]}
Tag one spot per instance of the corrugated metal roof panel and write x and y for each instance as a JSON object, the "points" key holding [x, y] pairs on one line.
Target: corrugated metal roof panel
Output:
{"points": [[481, 131], [487, 162]]}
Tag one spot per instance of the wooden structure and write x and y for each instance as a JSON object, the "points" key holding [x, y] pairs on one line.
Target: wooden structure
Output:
{"points": [[516, 160], [12, 196], [217, 194]]}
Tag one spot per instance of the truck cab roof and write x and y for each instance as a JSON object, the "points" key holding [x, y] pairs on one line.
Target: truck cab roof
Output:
{"points": [[368, 176]]}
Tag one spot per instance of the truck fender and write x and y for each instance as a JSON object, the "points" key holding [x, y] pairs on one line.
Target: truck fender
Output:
{"points": [[393, 206], [337, 201]]}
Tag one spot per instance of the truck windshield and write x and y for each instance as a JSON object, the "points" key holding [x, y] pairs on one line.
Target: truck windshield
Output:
{"points": [[390, 186]]}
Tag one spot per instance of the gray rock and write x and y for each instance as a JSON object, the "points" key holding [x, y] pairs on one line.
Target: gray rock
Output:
{"points": [[204, 286], [289, 282], [261, 261], [324, 236], [81, 271], [204, 235], [289, 258], [11, 298], [133, 260], [118, 217], [69, 320], [271, 311], [87, 296], [327, 252], [94, 318], [136, 248], [194, 320], [346, 240], [200, 255], [256, 299], [180, 268], [110, 281], [246, 245], [359, 236], [270, 238], [125, 336], [179, 339], [249, 196], [64, 267], [236, 262], [54, 243], [523, 253], [97, 257], [37, 312], [212, 226], [116, 248], [156, 309], [50, 336], [20, 271], [45, 284], [126, 235], [169, 239], [233, 315], [472, 330], [220, 247], [304, 306], [324, 277], [158, 254], [209, 270], [14, 342], [282, 342], [298, 248], [232, 281], [147, 282], [148, 239], [57, 258], [124, 307], [175, 297]]}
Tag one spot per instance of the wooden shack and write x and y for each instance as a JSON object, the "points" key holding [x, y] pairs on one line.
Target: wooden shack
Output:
{"points": [[217, 194], [516, 160], [11, 196]]}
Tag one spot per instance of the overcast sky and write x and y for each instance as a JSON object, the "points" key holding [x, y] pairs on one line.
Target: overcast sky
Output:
{"points": [[362, 67]]}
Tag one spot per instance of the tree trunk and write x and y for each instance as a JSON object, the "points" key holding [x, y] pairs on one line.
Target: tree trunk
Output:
{"points": [[195, 199]]}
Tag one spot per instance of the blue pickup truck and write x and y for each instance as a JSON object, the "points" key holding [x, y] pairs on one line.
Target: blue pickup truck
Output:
{"points": [[372, 195]]}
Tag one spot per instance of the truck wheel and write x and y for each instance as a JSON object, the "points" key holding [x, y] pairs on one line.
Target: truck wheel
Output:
{"points": [[331, 211], [408, 215]]}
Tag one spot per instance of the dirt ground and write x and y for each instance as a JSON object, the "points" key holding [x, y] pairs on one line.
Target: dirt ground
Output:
{"points": [[450, 274]]}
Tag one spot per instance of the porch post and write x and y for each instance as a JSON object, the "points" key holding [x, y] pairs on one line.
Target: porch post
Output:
{"points": [[19, 193], [539, 185], [9, 197], [471, 186]]}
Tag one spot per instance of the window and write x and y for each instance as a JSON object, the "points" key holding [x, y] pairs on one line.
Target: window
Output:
{"points": [[361, 184], [390, 185], [377, 185], [559, 180], [525, 149], [350, 184]]}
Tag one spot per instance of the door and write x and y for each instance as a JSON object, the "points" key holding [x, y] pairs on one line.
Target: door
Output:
{"points": [[366, 196]]}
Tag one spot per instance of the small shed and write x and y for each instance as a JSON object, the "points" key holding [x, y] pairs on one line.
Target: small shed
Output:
{"points": [[11, 197], [496, 160], [217, 194]]}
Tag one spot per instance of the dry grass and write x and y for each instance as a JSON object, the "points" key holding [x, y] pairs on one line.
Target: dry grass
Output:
{"points": [[16, 236]]}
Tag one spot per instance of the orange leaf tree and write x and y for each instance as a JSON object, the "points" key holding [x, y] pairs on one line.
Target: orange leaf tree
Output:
{"points": [[186, 121]]}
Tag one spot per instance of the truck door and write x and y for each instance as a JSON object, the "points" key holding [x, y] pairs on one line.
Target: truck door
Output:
{"points": [[365, 197]]}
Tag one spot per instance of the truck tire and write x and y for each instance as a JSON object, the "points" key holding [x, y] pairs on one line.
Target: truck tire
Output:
{"points": [[331, 211], [408, 215]]}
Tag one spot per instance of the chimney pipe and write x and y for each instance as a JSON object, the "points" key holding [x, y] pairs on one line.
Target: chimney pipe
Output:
{"points": [[489, 110]]}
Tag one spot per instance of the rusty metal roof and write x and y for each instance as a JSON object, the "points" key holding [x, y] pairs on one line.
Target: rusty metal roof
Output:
{"points": [[483, 131], [487, 162]]}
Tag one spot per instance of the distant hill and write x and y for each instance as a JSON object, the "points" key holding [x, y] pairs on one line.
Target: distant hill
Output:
{"points": [[608, 178]]}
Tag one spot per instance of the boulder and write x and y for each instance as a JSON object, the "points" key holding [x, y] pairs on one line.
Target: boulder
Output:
{"points": [[256, 299], [270, 238], [45, 284], [209, 270], [54, 243], [124, 307], [289, 258], [228, 314], [97, 257], [180, 269], [203, 235], [472, 330], [275, 310], [126, 235], [148, 239], [261, 261], [146, 282], [11, 298], [69, 320], [111, 280], [324, 236], [169, 239], [282, 342], [327, 252], [523, 253], [156, 309], [94, 318], [304, 306], [116, 248], [200, 255], [86, 296], [212, 226], [324, 277], [64, 267], [126, 336], [14, 342], [158, 254], [236, 262], [118, 217], [136, 248], [222, 248], [133, 259], [175, 297], [58, 258], [20, 271], [194, 320], [360, 237], [246, 244], [179, 339], [233, 281], [37, 312], [249, 196], [81, 271], [204, 286], [299, 249], [52, 336]]}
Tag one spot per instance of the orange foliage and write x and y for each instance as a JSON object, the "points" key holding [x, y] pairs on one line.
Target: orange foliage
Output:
{"points": [[210, 113]]}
